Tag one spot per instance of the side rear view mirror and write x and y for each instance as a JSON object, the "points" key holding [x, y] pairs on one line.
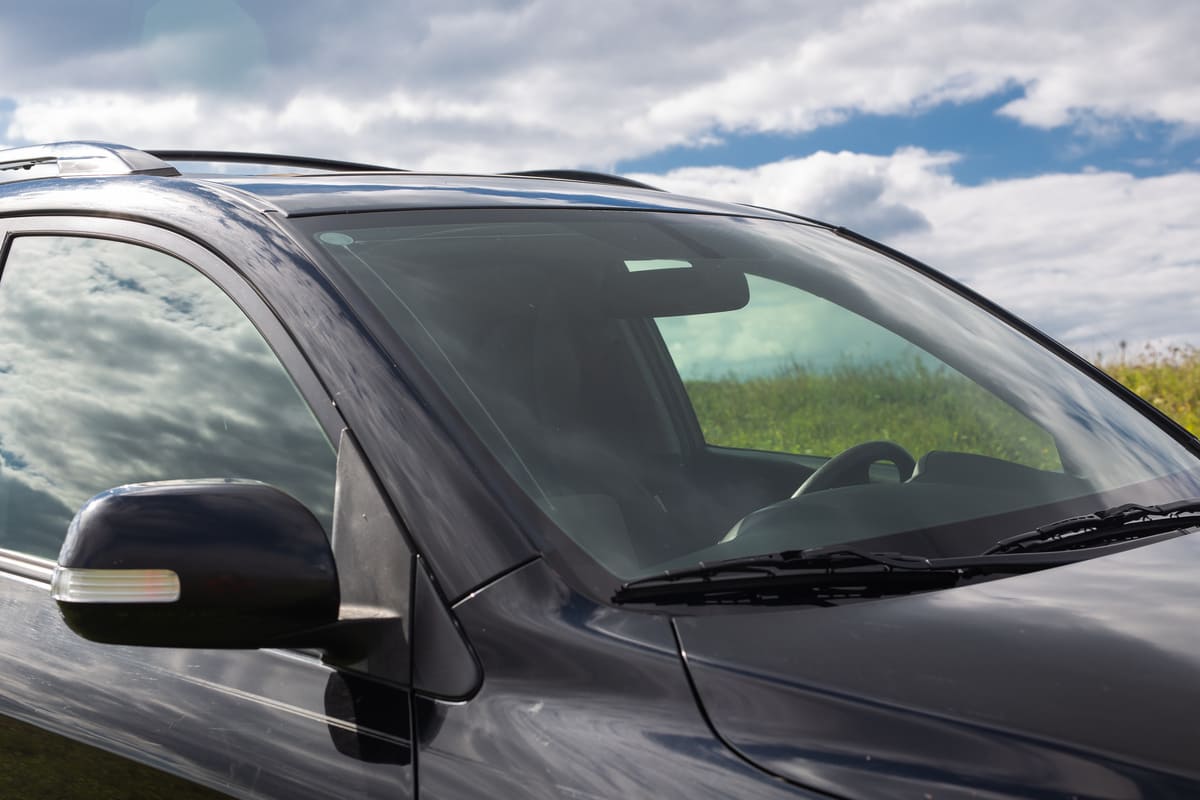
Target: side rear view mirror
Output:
{"points": [[199, 563]]}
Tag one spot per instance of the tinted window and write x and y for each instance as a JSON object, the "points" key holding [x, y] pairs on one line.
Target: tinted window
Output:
{"points": [[578, 344], [829, 378], [120, 364]]}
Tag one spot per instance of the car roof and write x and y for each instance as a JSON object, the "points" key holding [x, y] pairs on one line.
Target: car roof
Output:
{"points": [[311, 186]]}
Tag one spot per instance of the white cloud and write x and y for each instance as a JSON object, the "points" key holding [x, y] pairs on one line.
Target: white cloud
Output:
{"points": [[1094, 258], [861, 191], [121, 117], [543, 83], [1091, 258], [515, 84]]}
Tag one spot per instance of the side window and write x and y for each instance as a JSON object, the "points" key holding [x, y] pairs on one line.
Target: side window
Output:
{"points": [[796, 373], [119, 364]]}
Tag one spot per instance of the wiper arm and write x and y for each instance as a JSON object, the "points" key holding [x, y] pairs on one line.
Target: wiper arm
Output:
{"points": [[819, 574], [1129, 521]]}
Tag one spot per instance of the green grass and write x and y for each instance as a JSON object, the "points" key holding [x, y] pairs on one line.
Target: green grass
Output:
{"points": [[38, 763], [821, 412], [1170, 379]]}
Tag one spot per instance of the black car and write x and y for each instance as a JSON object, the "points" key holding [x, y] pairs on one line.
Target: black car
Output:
{"points": [[335, 480]]}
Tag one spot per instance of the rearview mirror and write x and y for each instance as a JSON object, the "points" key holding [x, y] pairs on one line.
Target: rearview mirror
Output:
{"points": [[200, 563], [675, 291]]}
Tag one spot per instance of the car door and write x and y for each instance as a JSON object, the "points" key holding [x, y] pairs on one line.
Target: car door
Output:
{"points": [[125, 358]]}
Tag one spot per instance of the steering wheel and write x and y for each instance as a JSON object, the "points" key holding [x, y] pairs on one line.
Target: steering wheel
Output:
{"points": [[853, 466]]}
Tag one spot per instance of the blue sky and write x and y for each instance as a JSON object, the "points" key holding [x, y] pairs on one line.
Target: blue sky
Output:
{"points": [[1045, 153], [992, 146]]}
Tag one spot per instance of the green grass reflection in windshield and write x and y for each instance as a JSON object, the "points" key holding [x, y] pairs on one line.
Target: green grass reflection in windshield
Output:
{"points": [[794, 373]]}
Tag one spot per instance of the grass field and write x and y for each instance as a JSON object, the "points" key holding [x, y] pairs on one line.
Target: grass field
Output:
{"points": [[1170, 379], [800, 410]]}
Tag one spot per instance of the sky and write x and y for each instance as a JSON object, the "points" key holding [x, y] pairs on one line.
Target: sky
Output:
{"points": [[1046, 154]]}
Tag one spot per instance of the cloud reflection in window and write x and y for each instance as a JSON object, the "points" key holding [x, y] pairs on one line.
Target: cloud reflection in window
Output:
{"points": [[123, 364]]}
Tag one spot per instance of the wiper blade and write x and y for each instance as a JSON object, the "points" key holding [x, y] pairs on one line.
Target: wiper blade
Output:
{"points": [[823, 573], [1129, 521], [819, 574]]}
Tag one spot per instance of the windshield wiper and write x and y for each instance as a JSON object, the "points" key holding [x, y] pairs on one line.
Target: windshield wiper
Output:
{"points": [[819, 574], [823, 573], [1120, 523]]}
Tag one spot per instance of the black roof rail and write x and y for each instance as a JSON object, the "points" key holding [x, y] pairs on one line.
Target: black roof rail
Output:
{"points": [[105, 158], [269, 160], [78, 158], [584, 175]]}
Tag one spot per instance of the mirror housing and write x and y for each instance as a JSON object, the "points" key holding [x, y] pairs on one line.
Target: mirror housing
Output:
{"points": [[196, 563]]}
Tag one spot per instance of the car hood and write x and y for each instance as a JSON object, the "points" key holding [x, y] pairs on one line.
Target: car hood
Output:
{"points": [[1082, 680]]}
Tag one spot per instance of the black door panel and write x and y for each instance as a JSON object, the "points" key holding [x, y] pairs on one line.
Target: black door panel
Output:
{"points": [[255, 724]]}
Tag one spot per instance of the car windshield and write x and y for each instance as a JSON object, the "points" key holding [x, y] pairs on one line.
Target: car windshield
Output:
{"points": [[672, 388]]}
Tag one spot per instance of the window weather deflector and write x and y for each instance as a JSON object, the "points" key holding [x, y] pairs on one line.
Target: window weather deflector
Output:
{"points": [[1128, 521]]}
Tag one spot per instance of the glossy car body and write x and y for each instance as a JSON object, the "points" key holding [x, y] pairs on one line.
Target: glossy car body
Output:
{"points": [[498, 664]]}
